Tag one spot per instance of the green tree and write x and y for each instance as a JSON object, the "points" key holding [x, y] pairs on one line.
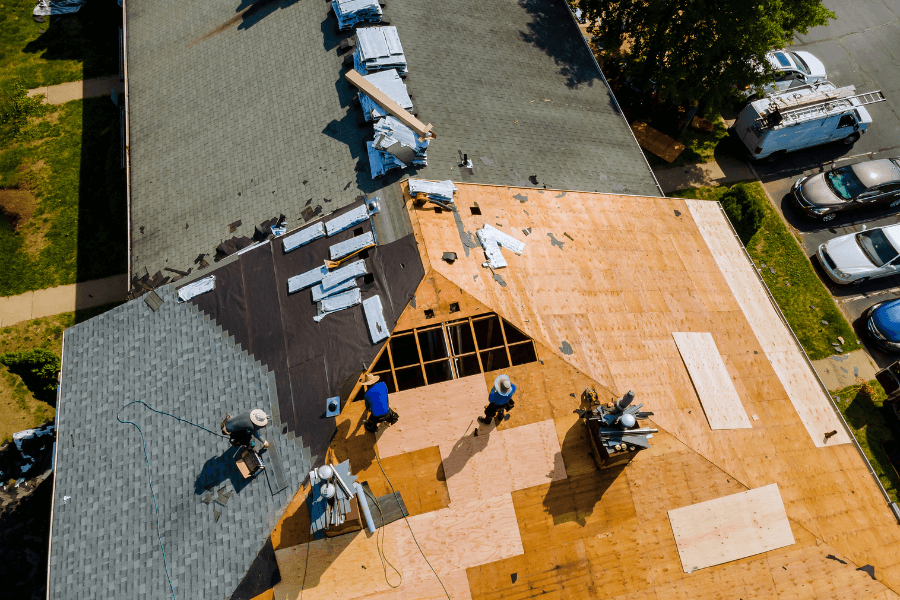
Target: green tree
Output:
{"points": [[699, 49]]}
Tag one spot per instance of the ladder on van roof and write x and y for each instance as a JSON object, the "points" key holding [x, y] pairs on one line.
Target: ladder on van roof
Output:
{"points": [[827, 106]]}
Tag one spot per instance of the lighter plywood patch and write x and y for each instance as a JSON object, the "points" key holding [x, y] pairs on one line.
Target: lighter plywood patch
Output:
{"points": [[712, 382], [348, 566], [500, 462], [729, 528], [433, 415], [463, 535], [806, 394]]}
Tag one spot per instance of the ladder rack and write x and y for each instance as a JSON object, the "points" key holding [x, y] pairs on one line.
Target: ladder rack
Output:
{"points": [[823, 107]]}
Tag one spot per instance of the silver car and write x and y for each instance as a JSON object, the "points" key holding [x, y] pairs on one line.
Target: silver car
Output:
{"points": [[791, 69], [856, 257], [862, 185]]}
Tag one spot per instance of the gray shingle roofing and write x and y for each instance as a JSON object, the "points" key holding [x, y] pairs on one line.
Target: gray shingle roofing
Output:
{"points": [[245, 117], [104, 542]]}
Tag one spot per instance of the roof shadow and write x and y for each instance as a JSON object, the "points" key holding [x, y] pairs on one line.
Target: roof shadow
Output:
{"points": [[568, 51], [254, 12]]}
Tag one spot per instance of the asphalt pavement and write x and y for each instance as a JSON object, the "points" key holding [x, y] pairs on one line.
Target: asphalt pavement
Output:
{"points": [[861, 48]]}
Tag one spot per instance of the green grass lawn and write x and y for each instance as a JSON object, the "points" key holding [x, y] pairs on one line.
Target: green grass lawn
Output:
{"points": [[802, 297], [62, 199], [72, 47], [19, 408], [866, 418]]}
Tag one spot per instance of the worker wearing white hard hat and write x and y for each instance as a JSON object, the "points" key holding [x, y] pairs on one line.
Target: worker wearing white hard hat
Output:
{"points": [[500, 400]]}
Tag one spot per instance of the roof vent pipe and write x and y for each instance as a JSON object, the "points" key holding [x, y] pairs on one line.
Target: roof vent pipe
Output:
{"points": [[624, 401]]}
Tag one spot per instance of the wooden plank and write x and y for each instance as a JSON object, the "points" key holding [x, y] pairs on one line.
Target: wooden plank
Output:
{"points": [[382, 100], [499, 462], [732, 527], [712, 382], [809, 400], [433, 415], [657, 142]]}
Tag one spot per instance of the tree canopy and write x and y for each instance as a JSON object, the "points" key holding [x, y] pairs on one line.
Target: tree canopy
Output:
{"points": [[699, 49]]}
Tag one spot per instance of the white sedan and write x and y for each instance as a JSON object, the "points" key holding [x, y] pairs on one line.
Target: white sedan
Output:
{"points": [[856, 257], [792, 68]]}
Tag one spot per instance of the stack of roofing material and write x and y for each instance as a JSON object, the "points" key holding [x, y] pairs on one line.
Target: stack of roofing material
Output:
{"points": [[492, 239], [378, 49], [381, 162], [389, 83], [441, 191], [352, 12], [400, 141]]}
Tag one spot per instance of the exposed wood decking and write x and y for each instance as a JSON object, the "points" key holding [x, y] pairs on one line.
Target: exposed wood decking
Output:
{"points": [[602, 309]]}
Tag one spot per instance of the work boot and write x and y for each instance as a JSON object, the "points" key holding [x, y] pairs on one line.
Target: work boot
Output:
{"points": [[484, 421], [370, 426]]}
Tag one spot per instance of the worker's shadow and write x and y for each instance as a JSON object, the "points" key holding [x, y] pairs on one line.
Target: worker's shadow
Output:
{"points": [[352, 442], [464, 449], [218, 469]]}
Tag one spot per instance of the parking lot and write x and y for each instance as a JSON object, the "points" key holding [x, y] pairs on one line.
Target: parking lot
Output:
{"points": [[861, 48]]}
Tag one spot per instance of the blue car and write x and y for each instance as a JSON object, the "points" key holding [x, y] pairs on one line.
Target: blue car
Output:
{"points": [[883, 325]]}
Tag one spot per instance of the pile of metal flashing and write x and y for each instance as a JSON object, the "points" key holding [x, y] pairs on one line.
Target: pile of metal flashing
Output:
{"points": [[492, 239], [400, 141], [379, 48], [381, 162], [350, 13], [392, 86]]}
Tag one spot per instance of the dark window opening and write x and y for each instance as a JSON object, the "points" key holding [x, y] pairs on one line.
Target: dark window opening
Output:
{"points": [[383, 363], [438, 210], [432, 344], [409, 378], [454, 307], [513, 335], [438, 372], [475, 210], [449, 350], [368, 278], [357, 232], [467, 365], [403, 350], [487, 332], [522, 354], [494, 360], [461, 341], [846, 121], [429, 313], [364, 254]]}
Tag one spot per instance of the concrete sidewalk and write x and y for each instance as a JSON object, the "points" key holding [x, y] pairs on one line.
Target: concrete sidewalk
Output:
{"points": [[61, 299], [841, 370], [725, 170], [75, 90]]}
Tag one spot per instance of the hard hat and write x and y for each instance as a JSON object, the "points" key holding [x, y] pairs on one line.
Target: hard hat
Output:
{"points": [[326, 472], [627, 420], [328, 490]]}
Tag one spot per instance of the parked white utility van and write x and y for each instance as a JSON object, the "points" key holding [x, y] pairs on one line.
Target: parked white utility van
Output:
{"points": [[803, 117]]}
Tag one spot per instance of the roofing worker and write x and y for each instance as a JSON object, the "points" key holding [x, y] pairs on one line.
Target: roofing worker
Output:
{"points": [[499, 401], [377, 403], [242, 428]]}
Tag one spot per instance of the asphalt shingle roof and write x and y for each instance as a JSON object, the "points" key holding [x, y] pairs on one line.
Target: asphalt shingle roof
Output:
{"points": [[177, 360], [246, 116]]}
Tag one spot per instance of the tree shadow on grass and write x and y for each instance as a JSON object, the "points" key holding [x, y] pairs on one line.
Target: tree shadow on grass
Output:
{"points": [[870, 423]]}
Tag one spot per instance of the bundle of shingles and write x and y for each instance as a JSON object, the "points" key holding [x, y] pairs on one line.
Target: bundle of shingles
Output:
{"points": [[378, 49], [389, 83], [395, 146], [440, 192], [352, 12]]}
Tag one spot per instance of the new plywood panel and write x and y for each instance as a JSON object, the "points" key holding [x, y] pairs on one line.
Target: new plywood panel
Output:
{"points": [[463, 535], [715, 389], [810, 401], [725, 529], [348, 566], [433, 415], [499, 462]]}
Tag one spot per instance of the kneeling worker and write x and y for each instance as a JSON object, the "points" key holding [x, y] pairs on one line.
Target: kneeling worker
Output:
{"points": [[500, 400], [377, 403]]}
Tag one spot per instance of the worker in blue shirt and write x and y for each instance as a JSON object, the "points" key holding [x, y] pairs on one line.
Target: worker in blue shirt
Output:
{"points": [[500, 400], [377, 403]]}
